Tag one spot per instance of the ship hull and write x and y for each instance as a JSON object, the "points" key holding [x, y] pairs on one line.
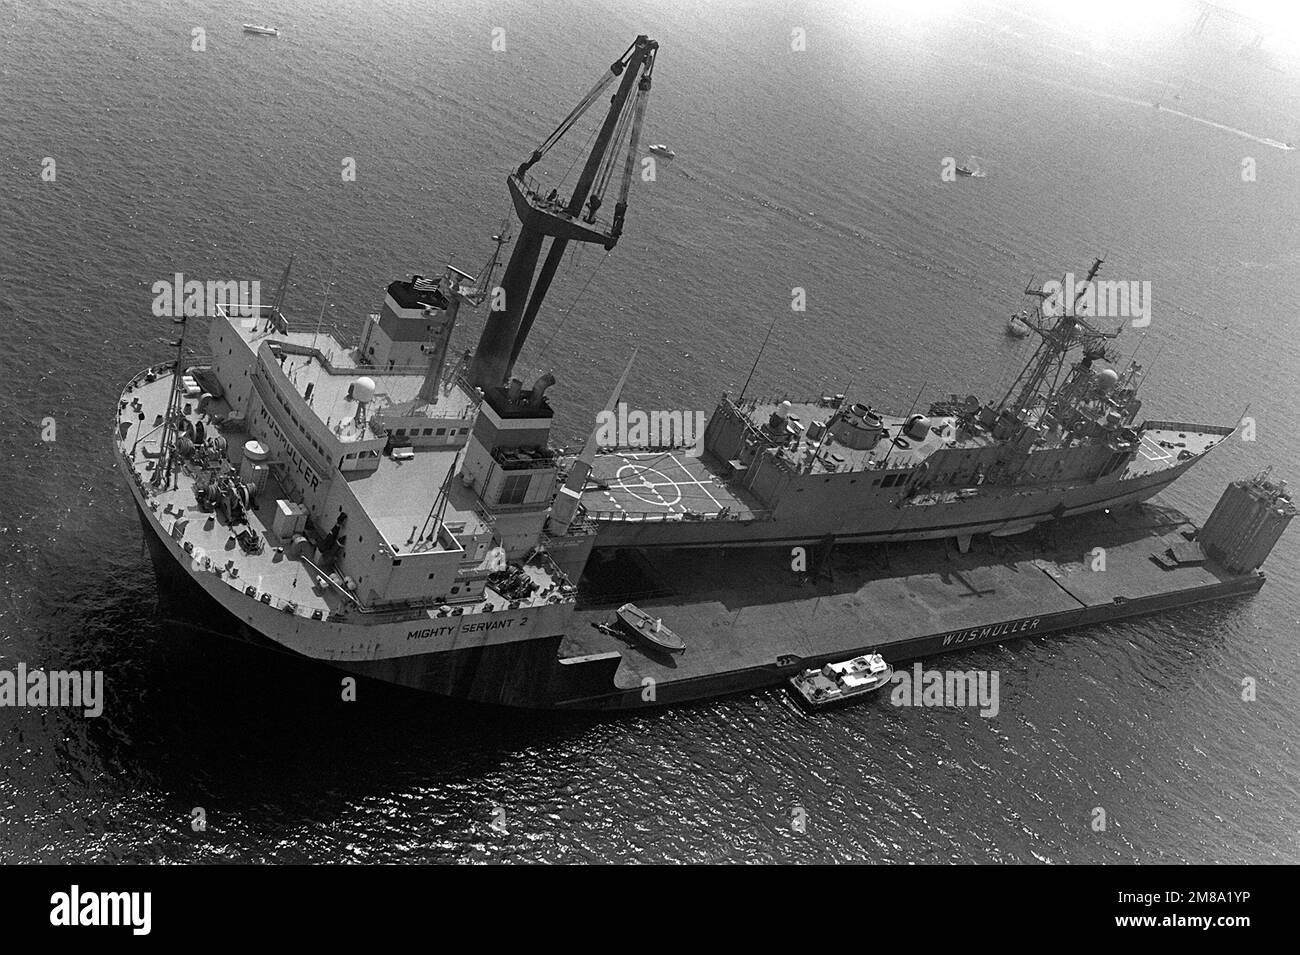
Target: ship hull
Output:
{"points": [[520, 674], [542, 673], [556, 657], [1011, 513], [510, 660]]}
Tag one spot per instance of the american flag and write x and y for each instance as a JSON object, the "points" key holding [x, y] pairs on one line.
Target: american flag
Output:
{"points": [[422, 284]]}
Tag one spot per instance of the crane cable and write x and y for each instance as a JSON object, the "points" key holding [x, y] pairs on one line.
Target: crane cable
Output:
{"points": [[615, 69], [608, 161], [626, 136], [575, 301]]}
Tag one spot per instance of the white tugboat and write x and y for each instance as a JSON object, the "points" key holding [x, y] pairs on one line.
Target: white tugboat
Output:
{"points": [[840, 682]]}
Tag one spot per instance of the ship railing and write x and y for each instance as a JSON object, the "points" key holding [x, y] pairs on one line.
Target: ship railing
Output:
{"points": [[675, 516], [1186, 426], [334, 584], [345, 338], [399, 610]]}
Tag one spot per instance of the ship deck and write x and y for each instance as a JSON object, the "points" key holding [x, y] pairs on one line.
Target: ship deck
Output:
{"points": [[399, 494], [748, 619], [398, 497], [274, 572], [886, 452], [680, 484], [1163, 441], [661, 485]]}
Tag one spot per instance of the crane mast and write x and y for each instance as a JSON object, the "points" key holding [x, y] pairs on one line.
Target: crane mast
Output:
{"points": [[546, 216]]}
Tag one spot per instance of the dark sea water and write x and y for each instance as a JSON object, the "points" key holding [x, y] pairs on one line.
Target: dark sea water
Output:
{"points": [[817, 169]]}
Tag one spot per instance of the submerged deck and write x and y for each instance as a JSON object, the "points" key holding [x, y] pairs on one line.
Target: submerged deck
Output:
{"points": [[748, 619]]}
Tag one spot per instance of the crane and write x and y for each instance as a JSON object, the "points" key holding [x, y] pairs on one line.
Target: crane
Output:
{"points": [[548, 216]]}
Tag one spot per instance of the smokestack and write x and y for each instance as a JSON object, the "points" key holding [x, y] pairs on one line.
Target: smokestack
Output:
{"points": [[539, 389]]}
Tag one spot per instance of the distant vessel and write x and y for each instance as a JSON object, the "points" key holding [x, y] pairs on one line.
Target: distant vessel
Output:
{"points": [[965, 171], [650, 629], [659, 149], [841, 682], [260, 30]]}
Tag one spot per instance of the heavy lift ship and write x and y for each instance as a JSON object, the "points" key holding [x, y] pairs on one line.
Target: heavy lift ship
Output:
{"points": [[363, 506]]}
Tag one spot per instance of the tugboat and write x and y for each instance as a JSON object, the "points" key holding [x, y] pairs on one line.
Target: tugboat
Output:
{"points": [[837, 683], [260, 30], [650, 629]]}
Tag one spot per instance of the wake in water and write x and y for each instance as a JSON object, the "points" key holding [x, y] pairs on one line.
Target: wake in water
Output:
{"points": [[1276, 144], [1244, 134]]}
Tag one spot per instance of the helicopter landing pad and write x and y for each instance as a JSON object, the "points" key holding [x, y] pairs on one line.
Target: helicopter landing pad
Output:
{"points": [[657, 483]]}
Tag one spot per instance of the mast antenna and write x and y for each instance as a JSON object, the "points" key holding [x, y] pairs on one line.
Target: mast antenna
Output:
{"points": [[757, 358]]}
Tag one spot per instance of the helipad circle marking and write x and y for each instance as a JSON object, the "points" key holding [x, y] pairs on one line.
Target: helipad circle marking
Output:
{"points": [[641, 481]]}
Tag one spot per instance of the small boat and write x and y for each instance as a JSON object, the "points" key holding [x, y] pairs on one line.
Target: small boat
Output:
{"points": [[650, 629], [659, 149], [965, 171], [840, 682], [260, 30], [1017, 325]]}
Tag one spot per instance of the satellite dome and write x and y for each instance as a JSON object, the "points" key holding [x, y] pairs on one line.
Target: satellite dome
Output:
{"points": [[363, 390], [916, 427], [1107, 378]]}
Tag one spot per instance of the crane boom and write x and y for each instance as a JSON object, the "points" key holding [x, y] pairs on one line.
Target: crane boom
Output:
{"points": [[542, 217]]}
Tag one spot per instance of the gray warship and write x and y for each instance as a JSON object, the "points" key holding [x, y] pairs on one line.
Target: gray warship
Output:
{"points": [[1063, 440]]}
